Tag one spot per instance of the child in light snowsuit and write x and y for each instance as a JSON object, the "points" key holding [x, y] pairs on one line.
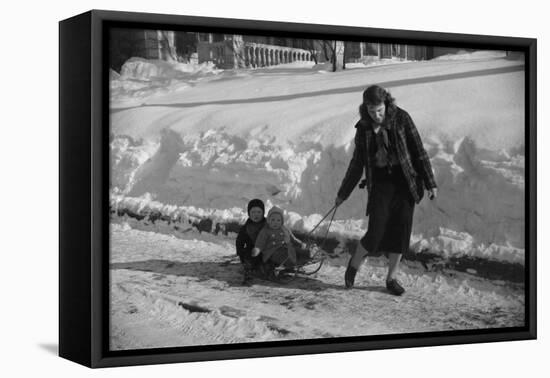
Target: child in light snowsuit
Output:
{"points": [[247, 237], [277, 245]]}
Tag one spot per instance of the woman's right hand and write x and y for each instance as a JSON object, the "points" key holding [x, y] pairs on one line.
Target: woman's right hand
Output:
{"points": [[255, 252], [338, 201]]}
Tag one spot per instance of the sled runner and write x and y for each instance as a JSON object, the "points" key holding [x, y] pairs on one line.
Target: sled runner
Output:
{"points": [[304, 269]]}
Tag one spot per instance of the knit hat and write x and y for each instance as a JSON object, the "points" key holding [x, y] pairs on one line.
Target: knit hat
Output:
{"points": [[276, 210], [256, 203]]}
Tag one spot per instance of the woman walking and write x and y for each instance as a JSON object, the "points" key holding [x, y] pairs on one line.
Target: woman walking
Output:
{"points": [[388, 149]]}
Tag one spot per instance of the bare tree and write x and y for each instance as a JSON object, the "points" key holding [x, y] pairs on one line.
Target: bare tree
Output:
{"points": [[168, 46], [334, 50], [311, 46]]}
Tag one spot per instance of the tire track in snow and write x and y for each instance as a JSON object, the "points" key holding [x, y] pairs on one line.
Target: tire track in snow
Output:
{"points": [[334, 91]]}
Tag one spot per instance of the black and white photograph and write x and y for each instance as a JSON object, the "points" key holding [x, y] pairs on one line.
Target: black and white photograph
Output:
{"points": [[286, 188], [266, 188]]}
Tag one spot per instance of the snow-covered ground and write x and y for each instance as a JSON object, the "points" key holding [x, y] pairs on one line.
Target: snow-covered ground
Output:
{"points": [[191, 143], [178, 291]]}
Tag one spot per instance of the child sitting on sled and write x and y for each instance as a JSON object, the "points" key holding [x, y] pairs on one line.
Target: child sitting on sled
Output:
{"points": [[277, 246], [247, 237]]}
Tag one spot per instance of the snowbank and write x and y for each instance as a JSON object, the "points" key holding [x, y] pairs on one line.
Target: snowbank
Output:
{"points": [[141, 78], [465, 55], [216, 175], [323, 67], [296, 64], [144, 69], [372, 61]]}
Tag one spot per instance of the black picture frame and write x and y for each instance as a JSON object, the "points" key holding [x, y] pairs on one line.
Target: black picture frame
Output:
{"points": [[84, 195]]}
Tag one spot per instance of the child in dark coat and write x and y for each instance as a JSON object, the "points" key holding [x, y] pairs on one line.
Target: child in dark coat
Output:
{"points": [[247, 237]]}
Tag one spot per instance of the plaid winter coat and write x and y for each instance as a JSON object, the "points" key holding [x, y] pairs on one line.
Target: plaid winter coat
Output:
{"points": [[270, 241], [411, 155]]}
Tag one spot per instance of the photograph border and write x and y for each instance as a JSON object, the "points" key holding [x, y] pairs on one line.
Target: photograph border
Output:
{"points": [[84, 189]]}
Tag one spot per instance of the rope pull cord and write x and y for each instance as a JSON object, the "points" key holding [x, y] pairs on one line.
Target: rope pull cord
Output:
{"points": [[299, 269], [333, 211], [308, 236]]}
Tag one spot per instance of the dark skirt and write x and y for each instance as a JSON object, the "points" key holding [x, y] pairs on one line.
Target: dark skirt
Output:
{"points": [[391, 214]]}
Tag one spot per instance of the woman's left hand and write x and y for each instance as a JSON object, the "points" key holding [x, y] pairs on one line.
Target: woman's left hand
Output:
{"points": [[432, 193]]}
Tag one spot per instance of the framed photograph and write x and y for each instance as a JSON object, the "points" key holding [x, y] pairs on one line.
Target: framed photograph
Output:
{"points": [[236, 188]]}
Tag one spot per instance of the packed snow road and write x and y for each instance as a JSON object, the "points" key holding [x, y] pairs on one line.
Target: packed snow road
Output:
{"points": [[178, 291]]}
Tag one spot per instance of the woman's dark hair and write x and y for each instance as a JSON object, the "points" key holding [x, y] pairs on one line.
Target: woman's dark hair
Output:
{"points": [[375, 95]]}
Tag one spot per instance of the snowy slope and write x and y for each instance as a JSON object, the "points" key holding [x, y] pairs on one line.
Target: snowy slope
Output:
{"points": [[205, 144]]}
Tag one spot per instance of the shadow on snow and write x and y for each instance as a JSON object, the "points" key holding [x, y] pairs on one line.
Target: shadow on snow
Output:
{"points": [[230, 273]]}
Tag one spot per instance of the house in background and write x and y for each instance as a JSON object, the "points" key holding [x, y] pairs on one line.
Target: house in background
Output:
{"points": [[230, 51], [358, 51], [150, 44], [243, 51], [236, 51]]}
